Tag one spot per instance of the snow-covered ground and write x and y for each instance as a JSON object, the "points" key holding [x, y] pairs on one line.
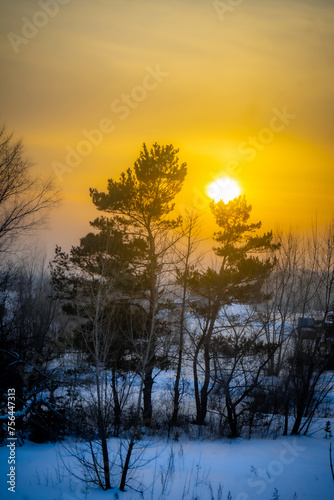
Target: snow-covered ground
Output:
{"points": [[286, 468], [289, 467]]}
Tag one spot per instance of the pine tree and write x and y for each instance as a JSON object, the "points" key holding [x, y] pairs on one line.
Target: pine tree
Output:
{"points": [[140, 205], [238, 279]]}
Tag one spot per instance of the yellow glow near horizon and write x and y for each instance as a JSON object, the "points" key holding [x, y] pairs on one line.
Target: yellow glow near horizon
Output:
{"points": [[225, 189], [247, 99]]}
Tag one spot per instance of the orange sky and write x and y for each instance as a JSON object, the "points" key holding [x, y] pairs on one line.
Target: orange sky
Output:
{"points": [[242, 90]]}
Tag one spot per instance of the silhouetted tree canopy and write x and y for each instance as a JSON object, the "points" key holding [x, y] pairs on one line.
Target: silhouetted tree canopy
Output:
{"points": [[24, 198]]}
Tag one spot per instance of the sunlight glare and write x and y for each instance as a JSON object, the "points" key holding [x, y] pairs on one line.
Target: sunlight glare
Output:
{"points": [[225, 189]]}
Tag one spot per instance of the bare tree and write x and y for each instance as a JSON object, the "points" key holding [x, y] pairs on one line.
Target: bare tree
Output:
{"points": [[28, 335], [325, 295], [186, 262], [307, 378], [24, 198], [278, 314], [240, 357], [96, 288], [296, 320]]}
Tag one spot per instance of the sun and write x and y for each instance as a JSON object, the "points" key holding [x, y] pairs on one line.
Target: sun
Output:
{"points": [[225, 189]]}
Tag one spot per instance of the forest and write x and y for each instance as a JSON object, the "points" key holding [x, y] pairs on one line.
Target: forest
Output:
{"points": [[139, 333]]}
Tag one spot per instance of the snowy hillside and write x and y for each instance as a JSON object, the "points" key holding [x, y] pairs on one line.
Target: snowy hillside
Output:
{"points": [[286, 468]]}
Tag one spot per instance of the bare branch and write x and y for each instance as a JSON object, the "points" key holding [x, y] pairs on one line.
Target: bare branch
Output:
{"points": [[25, 199]]}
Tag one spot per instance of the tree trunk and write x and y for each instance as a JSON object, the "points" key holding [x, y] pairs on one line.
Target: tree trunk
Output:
{"points": [[203, 406], [176, 399], [196, 383], [185, 281], [300, 409], [202, 395], [147, 397], [105, 455], [102, 432], [232, 418], [127, 463], [286, 420], [117, 406], [295, 429], [150, 354]]}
